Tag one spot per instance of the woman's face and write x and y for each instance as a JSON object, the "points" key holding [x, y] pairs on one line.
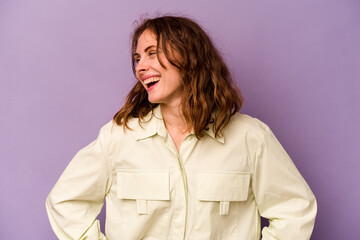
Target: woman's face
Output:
{"points": [[163, 85]]}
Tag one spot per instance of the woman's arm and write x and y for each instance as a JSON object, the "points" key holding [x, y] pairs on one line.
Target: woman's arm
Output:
{"points": [[281, 193], [78, 196]]}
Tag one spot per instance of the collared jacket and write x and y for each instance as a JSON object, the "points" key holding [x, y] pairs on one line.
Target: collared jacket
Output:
{"points": [[212, 189]]}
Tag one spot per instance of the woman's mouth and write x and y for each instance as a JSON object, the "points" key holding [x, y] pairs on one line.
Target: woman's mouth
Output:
{"points": [[150, 83]]}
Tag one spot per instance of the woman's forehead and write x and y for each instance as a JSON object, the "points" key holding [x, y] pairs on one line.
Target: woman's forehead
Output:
{"points": [[146, 39]]}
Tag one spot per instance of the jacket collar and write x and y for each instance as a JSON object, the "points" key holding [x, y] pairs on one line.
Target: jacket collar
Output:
{"points": [[154, 124], [211, 133]]}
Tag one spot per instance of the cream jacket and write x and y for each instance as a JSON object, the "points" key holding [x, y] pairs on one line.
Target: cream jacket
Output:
{"points": [[213, 188]]}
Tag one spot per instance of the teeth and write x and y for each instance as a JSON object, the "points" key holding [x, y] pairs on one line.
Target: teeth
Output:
{"points": [[153, 79]]}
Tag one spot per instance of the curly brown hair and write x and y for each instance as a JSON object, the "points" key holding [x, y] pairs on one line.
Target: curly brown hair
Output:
{"points": [[210, 95]]}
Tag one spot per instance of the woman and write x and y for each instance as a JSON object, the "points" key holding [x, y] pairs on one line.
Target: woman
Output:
{"points": [[178, 161]]}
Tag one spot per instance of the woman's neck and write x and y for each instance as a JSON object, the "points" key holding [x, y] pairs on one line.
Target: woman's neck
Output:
{"points": [[173, 117], [175, 123]]}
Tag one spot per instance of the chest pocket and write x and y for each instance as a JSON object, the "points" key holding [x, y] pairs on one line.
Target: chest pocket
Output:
{"points": [[143, 186], [223, 187]]}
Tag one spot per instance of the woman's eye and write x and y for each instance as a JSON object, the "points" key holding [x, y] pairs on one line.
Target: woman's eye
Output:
{"points": [[152, 53]]}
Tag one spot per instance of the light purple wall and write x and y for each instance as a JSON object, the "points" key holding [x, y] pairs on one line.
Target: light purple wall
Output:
{"points": [[65, 70]]}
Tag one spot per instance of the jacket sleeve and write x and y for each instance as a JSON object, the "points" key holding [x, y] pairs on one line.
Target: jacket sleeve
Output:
{"points": [[281, 193], [78, 196]]}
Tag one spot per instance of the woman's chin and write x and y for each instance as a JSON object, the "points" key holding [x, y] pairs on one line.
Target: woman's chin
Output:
{"points": [[153, 100]]}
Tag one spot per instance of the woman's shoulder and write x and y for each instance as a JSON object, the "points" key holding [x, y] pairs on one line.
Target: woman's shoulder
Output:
{"points": [[246, 121], [112, 130], [243, 124]]}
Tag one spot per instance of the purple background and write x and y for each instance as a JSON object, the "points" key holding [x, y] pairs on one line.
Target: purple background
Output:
{"points": [[65, 70]]}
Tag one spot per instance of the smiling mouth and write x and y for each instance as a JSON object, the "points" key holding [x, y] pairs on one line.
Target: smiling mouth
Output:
{"points": [[150, 82]]}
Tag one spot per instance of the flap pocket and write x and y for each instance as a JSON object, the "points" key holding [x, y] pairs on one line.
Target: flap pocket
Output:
{"points": [[143, 184], [223, 186]]}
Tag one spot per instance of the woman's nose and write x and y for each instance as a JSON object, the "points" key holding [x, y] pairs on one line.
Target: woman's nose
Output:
{"points": [[141, 66]]}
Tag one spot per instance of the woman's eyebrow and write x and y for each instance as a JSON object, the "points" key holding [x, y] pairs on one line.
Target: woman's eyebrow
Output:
{"points": [[146, 49]]}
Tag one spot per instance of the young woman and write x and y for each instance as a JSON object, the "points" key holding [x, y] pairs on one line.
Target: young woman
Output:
{"points": [[178, 161]]}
